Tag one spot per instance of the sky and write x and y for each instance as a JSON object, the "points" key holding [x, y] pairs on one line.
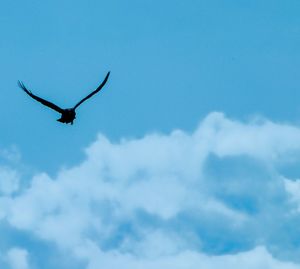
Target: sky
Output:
{"points": [[189, 156]]}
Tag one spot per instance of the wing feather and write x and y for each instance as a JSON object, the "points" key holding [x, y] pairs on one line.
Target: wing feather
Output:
{"points": [[92, 93], [41, 100]]}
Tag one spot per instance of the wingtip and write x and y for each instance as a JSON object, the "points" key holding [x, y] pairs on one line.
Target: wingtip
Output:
{"points": [[20, 84], [106, 77]]}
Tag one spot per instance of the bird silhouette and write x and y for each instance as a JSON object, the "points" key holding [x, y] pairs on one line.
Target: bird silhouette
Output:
{"points": [[68, 115]]}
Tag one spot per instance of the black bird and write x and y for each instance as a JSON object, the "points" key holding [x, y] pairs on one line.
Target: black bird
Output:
{"points": [[67, 115]]}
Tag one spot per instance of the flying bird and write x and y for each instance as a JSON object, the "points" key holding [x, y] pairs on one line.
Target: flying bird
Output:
{"points": [[68, 115]]}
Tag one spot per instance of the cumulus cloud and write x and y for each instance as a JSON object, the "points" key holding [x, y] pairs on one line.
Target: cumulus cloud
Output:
{"points": [[219, 195]]}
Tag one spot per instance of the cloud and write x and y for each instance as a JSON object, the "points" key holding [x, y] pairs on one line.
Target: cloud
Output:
{"points": [[17, 258], [10, 154], [9, 180], [256, 258], [219, 195]]}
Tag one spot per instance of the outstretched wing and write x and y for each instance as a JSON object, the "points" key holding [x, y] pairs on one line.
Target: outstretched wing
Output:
{"points": [[94, 92], [41, 100]]}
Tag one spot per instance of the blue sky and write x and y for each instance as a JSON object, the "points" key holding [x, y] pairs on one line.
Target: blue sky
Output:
{"points": [[120, 186]]}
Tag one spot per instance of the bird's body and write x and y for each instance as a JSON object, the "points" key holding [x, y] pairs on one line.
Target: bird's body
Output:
{"points": [[68, 115]]}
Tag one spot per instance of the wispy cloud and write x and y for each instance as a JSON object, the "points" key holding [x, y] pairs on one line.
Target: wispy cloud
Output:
{"points": [[17, 258], [218, 197]]}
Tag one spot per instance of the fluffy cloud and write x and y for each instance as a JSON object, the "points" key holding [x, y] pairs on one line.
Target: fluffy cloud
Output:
{"points": [[220, 195]]}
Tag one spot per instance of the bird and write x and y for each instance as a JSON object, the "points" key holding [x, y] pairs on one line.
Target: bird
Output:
{"points": [[68, 115]]}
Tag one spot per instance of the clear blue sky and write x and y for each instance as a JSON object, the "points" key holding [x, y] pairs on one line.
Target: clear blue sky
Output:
{"points": [[173, 64]]}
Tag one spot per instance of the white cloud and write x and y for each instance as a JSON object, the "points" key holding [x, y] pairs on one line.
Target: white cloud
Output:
{"points": [[11, 154], [9, 180], [254, 259], [17, 258], [259, 138], [293, 189], [181, 199]]}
